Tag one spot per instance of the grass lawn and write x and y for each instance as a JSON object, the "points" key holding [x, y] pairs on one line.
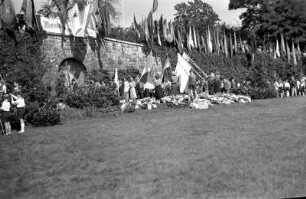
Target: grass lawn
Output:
{"points": [[255, 150]]}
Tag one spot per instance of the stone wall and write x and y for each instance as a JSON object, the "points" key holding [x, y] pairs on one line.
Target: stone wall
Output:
{"points": [[93, 53]]}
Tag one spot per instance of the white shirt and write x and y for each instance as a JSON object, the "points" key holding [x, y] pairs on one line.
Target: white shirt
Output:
{"points": [[287, 85], [298, 84], [19, 102], [5, 106], [126, 86]]}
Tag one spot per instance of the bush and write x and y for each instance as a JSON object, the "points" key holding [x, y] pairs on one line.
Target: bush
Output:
{"points": [[256, 93], [88, 96], [46, 115]]}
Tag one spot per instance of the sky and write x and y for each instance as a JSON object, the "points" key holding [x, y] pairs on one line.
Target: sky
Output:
{"points": [[141, 8]]}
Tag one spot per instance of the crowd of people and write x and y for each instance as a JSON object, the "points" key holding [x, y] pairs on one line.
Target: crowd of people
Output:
{"points": [[9, 101], [290, 87], [158, 86]]}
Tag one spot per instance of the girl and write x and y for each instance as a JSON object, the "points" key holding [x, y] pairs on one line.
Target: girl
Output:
{"points": [[6, 106], [132, 89], [19, 101]]}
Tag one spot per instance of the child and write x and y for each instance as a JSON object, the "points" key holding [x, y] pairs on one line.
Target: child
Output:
{"points": [[19, 101], [6, 106]]}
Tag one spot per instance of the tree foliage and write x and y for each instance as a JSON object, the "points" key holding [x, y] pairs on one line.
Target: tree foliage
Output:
{"points": [[197, 13], [270, 18]]}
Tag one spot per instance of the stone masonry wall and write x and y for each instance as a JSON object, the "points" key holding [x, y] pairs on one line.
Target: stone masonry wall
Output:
{"points": [[95, 54]]}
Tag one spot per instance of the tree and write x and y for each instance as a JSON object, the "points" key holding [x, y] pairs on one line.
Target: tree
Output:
{"points": [[198, 14], [270, 18]]}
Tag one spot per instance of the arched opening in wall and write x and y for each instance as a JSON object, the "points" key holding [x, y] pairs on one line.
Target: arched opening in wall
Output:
{"points": [[72, 69]]}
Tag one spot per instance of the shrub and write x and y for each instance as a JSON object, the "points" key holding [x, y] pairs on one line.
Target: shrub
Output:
{"points": [[46, 115], [256, 93], [87, 96]]}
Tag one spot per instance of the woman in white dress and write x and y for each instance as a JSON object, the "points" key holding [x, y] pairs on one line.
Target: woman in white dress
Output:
{"points": [[133, 94]]}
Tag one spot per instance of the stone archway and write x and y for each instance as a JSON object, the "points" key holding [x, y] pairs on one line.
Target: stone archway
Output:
{"points": [[72, 68]]}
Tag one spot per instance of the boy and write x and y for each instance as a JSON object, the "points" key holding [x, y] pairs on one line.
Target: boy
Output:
{"points": [[5, 108], [19, 101]]}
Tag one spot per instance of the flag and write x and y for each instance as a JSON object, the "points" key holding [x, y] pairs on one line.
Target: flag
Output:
{"points": [[8, 13], [161, 25], [231, 45], [29, 14], [146, 72], [235, 42], [299, 51], [293, 54], [182, 71], [158, 36], [146, 30], [155, 5], [198, 40], [241, 45], [204, 44], [74, 20], [209, 43], [283, 47], [225, 46], [172, 30], [195, 38], [150, 23], [116, 79], [288, 52], [165, 28], [136, 27], [191, 43], [277, 53], [218, 40], [88, 27]]}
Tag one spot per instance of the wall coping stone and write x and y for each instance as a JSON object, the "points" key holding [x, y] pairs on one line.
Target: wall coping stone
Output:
{"points": [[105, 38]]}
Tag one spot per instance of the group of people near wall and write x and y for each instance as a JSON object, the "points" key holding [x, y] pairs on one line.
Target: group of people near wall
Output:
{"points": [[9, 100], [290, 87], [158, 87]]}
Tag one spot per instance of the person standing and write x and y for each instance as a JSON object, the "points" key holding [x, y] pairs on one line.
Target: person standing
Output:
{"points": [[175, 88], [280, 88], [276, 87], [126, 90], [2, 90], [217, 84], [133, 94], [159, 93], [287, 88], [5, 108], [211, 84], [192, 85], [303, 82], [19, 102], [293, 86]]}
